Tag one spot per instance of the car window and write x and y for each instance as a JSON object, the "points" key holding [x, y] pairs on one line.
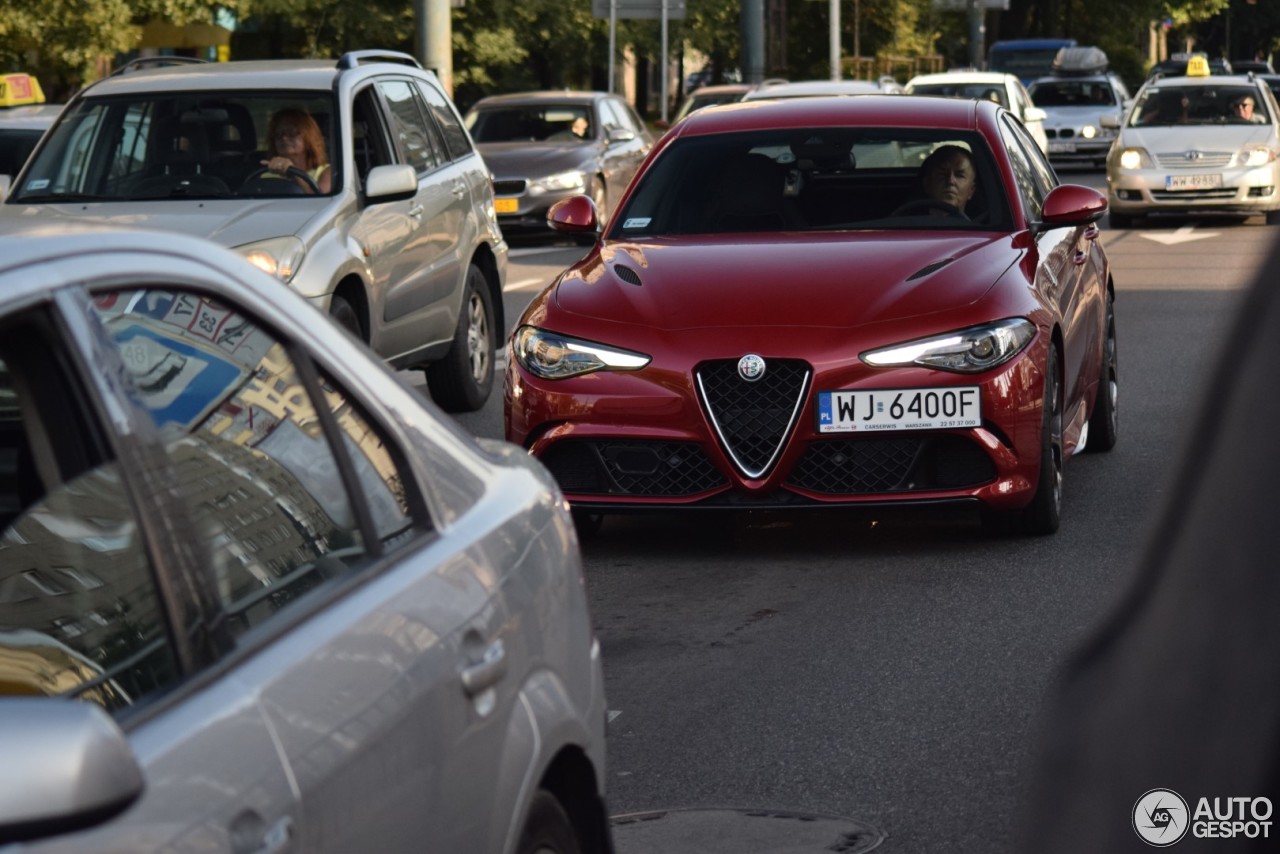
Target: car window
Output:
{"points": [[286, 489], [1025, 174], [986, 91], [626, 116], [448, 120], [532, 123], [168, 145], [409, 124], [370, 143], [803, 180], [80, 611], [610, 118]]}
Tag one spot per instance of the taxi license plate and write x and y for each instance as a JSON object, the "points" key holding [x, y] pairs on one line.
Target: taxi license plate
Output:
{"points": [[899, 409], [1192, 182], [1062, 148], [505, 205]]}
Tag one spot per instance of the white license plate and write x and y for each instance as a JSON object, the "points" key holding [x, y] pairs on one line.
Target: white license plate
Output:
{"points": [[899, 409], [1062, 148], [1192, 182]]}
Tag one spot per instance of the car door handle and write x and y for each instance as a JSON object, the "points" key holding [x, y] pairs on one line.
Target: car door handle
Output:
{"points": [[459, 190], [1080, 257], [415, 211], [485, 673], [276, 839]]}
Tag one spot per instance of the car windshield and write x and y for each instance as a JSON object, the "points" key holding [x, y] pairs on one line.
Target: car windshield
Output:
{"points": [[1073, 93], [989, 91], [169, 146], [1198, 105], [804, 179], [531, 123]]}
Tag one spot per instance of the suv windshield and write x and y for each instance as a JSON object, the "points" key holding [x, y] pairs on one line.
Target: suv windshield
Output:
{"points": [[170, 146]]}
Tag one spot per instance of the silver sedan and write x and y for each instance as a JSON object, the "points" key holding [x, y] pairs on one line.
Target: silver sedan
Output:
{"points": [[255, 593], [1197, 144]]}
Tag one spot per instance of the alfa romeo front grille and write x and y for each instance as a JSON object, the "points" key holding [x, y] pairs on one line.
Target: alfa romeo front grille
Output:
{"points": [[753, 418], [653, 469]]}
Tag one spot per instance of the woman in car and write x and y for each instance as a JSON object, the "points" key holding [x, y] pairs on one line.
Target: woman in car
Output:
{"points": [[294, 140]]}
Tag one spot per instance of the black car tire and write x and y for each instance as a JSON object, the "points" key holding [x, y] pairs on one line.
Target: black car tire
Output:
{"points": [[462, 380], [587, 524], [344, 314], [1119, 220], [1104, 423], [1273, 217], [548, 829], [1044, 513]]}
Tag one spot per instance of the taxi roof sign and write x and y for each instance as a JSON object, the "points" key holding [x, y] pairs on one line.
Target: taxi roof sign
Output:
{"points": [[19, 89], [1198, 66]]}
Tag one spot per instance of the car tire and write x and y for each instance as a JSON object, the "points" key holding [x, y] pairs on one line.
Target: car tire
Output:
{"points": [[1273, 217], [548, 829], [1119, 220], [1104, 423], [345, 315], [462, 380], [587, 524], [1044, 514]]}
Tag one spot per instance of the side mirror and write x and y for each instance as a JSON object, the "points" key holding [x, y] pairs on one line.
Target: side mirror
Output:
{"points": [[574, 215], [1109, 120], [1034, 114], [391, 183], [1072, 204], [621, 135], [67, 766]]}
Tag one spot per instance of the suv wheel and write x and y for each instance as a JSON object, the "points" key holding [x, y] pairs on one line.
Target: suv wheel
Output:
{"points": [[344, 314], [460, 382]]}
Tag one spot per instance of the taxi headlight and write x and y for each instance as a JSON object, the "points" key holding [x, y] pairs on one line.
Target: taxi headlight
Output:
{"points": [[1088, 131], [1258, 155], [1134, 158], [969, 351], [574, 182], [279, 257], [556, 357]]}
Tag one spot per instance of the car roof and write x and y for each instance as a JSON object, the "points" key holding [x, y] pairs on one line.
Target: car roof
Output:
{"points": [[282, 74], [866, 111], [723, 89], [959, 76], [33, 116], [816, 88], [549, 96]]}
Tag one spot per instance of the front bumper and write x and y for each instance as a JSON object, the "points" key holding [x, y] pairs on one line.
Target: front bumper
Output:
{"points": [[644, 440], [1242, 191]]}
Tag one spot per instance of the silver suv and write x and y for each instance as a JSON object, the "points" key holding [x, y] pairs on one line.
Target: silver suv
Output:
{"points": [[404, 250]]}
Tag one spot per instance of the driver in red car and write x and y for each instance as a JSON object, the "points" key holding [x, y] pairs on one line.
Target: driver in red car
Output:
{"points": [[948, 176]]}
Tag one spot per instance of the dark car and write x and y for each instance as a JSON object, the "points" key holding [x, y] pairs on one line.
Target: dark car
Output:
{"points": [[777, 317], [546, 146]]}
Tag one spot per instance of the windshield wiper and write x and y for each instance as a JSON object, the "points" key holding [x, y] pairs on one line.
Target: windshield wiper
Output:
{"points": [[44, 198]]}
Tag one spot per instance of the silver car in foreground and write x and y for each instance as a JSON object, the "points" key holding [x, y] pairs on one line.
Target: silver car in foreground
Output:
{"points": [[255, 593], [1186, 146]]}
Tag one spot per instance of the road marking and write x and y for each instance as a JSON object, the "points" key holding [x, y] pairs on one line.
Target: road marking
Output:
{"points": [[1182, 235], [536, 281], [613, 713]]}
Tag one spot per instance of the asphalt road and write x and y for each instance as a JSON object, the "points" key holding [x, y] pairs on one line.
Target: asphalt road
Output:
{"points": [[886, 670]]}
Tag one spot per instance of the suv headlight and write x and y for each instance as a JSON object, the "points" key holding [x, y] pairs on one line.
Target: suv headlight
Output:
{"points": [[1255, 155], [575, 182], [280, 256], [968, 351], [1134, 158], [556, 357]]}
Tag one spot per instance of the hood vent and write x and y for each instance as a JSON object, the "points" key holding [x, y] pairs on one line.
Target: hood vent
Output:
{"points": [[932, 268], [627, 274]]}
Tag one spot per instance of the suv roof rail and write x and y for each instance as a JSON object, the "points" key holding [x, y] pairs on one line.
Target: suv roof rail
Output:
{"points": [[145, 61], [356, 58]]}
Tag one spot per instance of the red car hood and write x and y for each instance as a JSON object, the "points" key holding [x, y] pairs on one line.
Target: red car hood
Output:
{"points": [[818, 281]]}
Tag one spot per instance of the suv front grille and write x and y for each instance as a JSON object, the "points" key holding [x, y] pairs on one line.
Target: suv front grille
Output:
{"points": [[753, 419], [512, 187]]}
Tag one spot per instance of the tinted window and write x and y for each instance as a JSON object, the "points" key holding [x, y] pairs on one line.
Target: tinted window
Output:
{"points": [[455, 136], [256, 467], [409, 124], [80, 614], [1024, 172]]}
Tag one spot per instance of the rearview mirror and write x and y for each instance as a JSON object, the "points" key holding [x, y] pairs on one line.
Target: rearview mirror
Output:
{"points": [[1034, 114]]}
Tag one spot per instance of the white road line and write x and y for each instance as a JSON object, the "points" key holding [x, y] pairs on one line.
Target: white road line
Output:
{"points": [[613, 713], [1185, 234], [523, 284]]}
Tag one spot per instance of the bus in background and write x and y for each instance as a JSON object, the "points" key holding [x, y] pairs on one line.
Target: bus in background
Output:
{"points": [[1027, 58]]}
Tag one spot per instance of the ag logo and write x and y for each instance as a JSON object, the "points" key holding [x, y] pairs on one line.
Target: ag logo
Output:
{"points": [[1160, 817]]}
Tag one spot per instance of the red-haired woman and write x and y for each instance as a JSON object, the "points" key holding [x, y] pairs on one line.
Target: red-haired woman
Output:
{"points": [[294, 139]]}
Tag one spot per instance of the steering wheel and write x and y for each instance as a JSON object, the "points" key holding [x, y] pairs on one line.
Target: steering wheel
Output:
{"points": [[921, 205], [291, 172]]}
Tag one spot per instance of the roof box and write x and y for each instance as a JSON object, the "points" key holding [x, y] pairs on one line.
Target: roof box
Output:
{"points": [[1079, 60]]}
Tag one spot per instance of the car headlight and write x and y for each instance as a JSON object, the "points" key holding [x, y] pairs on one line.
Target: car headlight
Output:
{"points": [[1088, 131], [556, 357], [575, 182], [969, 351], [280, 256], [1135, 158], [1257, 155]]}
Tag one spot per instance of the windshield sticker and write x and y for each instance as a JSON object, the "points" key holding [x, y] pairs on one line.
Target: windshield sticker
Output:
{"points": [[637, 222], [38, 184]]}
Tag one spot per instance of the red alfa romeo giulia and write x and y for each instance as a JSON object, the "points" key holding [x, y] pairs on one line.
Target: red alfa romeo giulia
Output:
{"points": [[852, 301]]}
